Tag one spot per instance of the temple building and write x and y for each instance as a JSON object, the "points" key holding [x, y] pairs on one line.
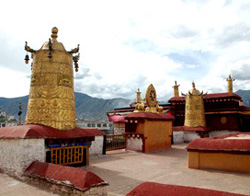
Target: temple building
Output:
{"points": [[198, 115], [148, 129]]}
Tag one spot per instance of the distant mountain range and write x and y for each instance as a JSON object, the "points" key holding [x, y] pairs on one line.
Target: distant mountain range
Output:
{"points": [[245, 95], [88, 108]]}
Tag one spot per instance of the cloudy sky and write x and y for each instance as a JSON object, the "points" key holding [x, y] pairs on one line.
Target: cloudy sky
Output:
{"points": [[126, 45]]}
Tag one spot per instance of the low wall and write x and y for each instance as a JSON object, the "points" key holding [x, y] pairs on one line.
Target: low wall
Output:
{"points": [[17, 154], [219, 160], [66, 180], [97, 146], [135, 144], [227, 152], [178, 137], [220, 132], [156, 189], [189, 136]]}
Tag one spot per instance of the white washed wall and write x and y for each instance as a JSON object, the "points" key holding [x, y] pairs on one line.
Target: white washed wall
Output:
{"points": [[17, 154], [134, 144], [221, 132], [96, 146], [190, 136], [178, 137]]}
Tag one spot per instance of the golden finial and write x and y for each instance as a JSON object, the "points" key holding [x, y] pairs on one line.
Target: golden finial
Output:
{"points": [[138, 96], [54, 33], [230, 84], [193, 84], [176, 89]]}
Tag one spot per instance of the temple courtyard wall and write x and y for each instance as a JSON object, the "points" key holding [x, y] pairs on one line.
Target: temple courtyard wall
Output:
{"points": [[97, 146], [17, 154], [135, 144]]}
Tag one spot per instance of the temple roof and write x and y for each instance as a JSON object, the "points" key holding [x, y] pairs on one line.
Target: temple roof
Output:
{"points": [[210, 96], [116, 118], [149, 116], [41, 131], [186, 128]]}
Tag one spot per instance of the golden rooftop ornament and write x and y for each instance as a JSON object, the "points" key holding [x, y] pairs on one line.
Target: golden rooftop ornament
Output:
{"points": [[230, 84], [151, 101], [51, 98], [138, 96], [176, 89]]}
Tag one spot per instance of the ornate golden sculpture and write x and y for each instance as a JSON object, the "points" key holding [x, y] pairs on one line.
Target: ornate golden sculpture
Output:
{"points": [[51, 98], [139, 107], [176, 89], [194, 109], [159, 109], [230, 84], [151, 99]]}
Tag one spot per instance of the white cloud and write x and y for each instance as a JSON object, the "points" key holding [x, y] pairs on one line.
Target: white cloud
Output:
{"points": [[13, 83], [126, 45]]}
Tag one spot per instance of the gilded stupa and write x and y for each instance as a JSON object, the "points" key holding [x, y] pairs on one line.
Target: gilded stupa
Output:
{"points": [[194, 108], [51, 97]]}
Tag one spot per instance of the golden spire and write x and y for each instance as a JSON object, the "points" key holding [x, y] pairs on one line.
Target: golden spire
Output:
{"points": [[230, 84], [54, 34], [193, 84], [176, 89]]}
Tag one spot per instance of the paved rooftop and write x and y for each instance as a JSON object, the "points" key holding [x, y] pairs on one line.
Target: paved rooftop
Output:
{"points": [[125, 170], [12, 187]]}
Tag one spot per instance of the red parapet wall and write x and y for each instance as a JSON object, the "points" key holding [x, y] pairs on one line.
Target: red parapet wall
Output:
{"points": [[42, 131], [157, 189], [75, 177], [229, 152]]}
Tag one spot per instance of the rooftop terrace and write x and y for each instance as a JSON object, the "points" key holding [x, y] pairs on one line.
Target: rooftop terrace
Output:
{"points": [[125, 170]]}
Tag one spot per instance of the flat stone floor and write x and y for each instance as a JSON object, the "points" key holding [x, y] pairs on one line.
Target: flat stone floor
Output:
{"points": [[12, 187], [125, 170]]}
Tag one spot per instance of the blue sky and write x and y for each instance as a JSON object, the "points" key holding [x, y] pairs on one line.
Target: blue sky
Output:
{"points": [[126, 45]]}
